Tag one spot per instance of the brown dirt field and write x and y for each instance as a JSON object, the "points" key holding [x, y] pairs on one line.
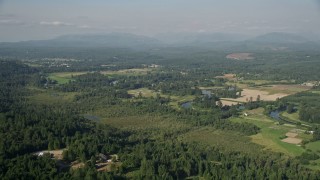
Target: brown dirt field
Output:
{"points": [[291, 134], [76, 165], [292, 140], [240, 56], [57, 154], [247, 93], [227, 76], [228, 103]]}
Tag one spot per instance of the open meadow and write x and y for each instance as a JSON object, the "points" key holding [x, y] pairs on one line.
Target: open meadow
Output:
{"points": [[272, 134]]}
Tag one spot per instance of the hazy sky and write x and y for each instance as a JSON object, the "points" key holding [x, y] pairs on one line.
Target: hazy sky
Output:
{"points": [[43, 19]]}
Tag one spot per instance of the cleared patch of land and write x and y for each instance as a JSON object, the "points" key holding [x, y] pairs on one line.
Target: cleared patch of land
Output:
{"points": [[132, 72], [227, 76], [57, 154], [272, 133], [252, 95], [107, 167], [144, 92], [285, 89], [314, 146], [65, 77], [266, 93], [137, 123], [227, 140], [175, 102], [292, 138], [240, 56], [51, 97], [77, 165]]}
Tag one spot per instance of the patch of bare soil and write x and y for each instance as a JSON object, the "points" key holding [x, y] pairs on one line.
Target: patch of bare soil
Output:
{"points": [[77, 165], [291, 138], [227, 76], [240, 56], [252, 95], [57, 154]]}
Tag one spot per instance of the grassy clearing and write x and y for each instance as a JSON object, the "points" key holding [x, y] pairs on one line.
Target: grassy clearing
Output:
{"points": [[314, 146], [210, 87], [315, 92], [129, 72], [64, 77], [271, 134], [256, 82], [144, 122], [227, 140], [284, 89], [175, 102], [314, 165], [293, 116], [145, 92], [51, 97]]}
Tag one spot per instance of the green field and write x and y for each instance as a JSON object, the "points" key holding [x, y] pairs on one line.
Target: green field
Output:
{"points": [[293, 116], [271, 133], [52, 97], [175, 102], [130, 72], [145, 92], [316, 92], [64, 77], [226, 140], [314, 146]]}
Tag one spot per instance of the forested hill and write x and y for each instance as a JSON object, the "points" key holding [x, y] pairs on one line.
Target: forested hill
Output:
{"points": [[217, 41], [111, 40]]}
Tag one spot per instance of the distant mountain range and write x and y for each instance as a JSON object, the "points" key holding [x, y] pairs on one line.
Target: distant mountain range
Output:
{"points": [[196, 38], [116, 40], [214, 40], [281, 38]]}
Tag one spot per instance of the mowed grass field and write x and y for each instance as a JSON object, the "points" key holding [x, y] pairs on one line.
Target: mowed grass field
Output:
{"points": [[65, 77], [271, 134], [175, 102], [130, 72]]}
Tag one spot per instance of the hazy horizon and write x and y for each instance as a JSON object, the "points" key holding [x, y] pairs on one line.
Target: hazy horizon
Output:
{"points": [[37, 19]]}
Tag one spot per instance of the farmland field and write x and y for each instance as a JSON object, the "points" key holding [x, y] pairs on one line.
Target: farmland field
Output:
{"points": [[266, 92], [64, 77], [222, 139], [271, 133]]}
